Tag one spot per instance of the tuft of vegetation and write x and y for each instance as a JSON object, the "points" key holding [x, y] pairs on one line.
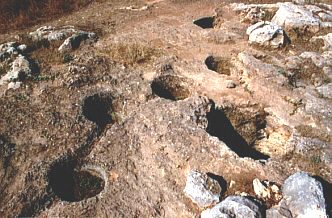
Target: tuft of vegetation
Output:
{"points": [[24, 13], [131, 54]]}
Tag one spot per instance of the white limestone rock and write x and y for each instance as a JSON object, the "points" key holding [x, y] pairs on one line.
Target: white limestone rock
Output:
{"points": [[291, 16], [75, 40], [201, 189], [234, 206], [303, 196], [19, 70], [267, 34]]}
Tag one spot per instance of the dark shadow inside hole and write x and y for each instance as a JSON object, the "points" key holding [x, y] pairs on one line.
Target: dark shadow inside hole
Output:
{"points": [[171, 87], [218, 64], [98, 108], [221, 181], [61, 180], [327, 189], [162, 90], [87, 184], [72, 186], [220, 126], [205, 22]]}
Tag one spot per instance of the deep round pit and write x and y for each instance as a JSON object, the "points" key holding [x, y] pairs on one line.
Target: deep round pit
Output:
{"points": [[98, 108], [74, 185], [205, 22], [239, 128], [171, 87], [218, 64]]}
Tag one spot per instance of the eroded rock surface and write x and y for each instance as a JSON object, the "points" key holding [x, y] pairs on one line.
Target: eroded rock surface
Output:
{"points": [[234, 206], [202, 189], [267, 34], [20, 69], [303, 196]]}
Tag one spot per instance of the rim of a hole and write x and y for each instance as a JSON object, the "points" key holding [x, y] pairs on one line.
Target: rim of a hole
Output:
{"points": [[216, 64], [63, 181], [206, 22], [220, 126], [98, 108], [171, 87]]}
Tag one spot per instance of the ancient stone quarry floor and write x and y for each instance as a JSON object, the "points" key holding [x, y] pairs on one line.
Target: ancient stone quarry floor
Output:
{"points": [[112, 128]]}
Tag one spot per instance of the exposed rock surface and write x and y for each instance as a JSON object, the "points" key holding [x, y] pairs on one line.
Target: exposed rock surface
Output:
{"points": [[301, 18], [72, 37], [267, 34], [234, 206], [10, 48], [303, 196], [75, 40], [202, 189], [20, 69]]}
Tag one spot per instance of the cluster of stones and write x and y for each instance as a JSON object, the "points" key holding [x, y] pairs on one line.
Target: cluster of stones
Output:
{"points": [[287, 17], [72, 37], [302, 196], [21, 67]]}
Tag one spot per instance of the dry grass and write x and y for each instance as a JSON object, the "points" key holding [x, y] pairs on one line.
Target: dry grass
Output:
{"points": [[24, 13], [131, 54]]}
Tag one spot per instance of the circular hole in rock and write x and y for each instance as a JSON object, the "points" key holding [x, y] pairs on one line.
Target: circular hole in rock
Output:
{"points": [[171, 87], [74, 185], [218, 64], [98, 108], [239, 128], [205, 22]]}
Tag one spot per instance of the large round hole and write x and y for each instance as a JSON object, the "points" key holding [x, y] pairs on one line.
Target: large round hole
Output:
{"points": [[238, 128], [98, 108], [205, 22], [171, 87], [218, 64], [74, 185]]}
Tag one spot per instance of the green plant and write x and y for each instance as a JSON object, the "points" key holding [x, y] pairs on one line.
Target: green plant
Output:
{"points": [[316, 159], [43, 78]]}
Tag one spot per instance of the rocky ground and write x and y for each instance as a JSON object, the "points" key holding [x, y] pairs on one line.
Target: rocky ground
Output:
{"points": [[169, 108]]}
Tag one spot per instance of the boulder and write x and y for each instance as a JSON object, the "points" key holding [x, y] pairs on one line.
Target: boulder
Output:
{"points": [[303, 196], [11, 48], [267, 34], [202, 189], [234, 206], [19, 70], [72, 37], [75, 40], [51, 33], [276, 212], [291, 16]]}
